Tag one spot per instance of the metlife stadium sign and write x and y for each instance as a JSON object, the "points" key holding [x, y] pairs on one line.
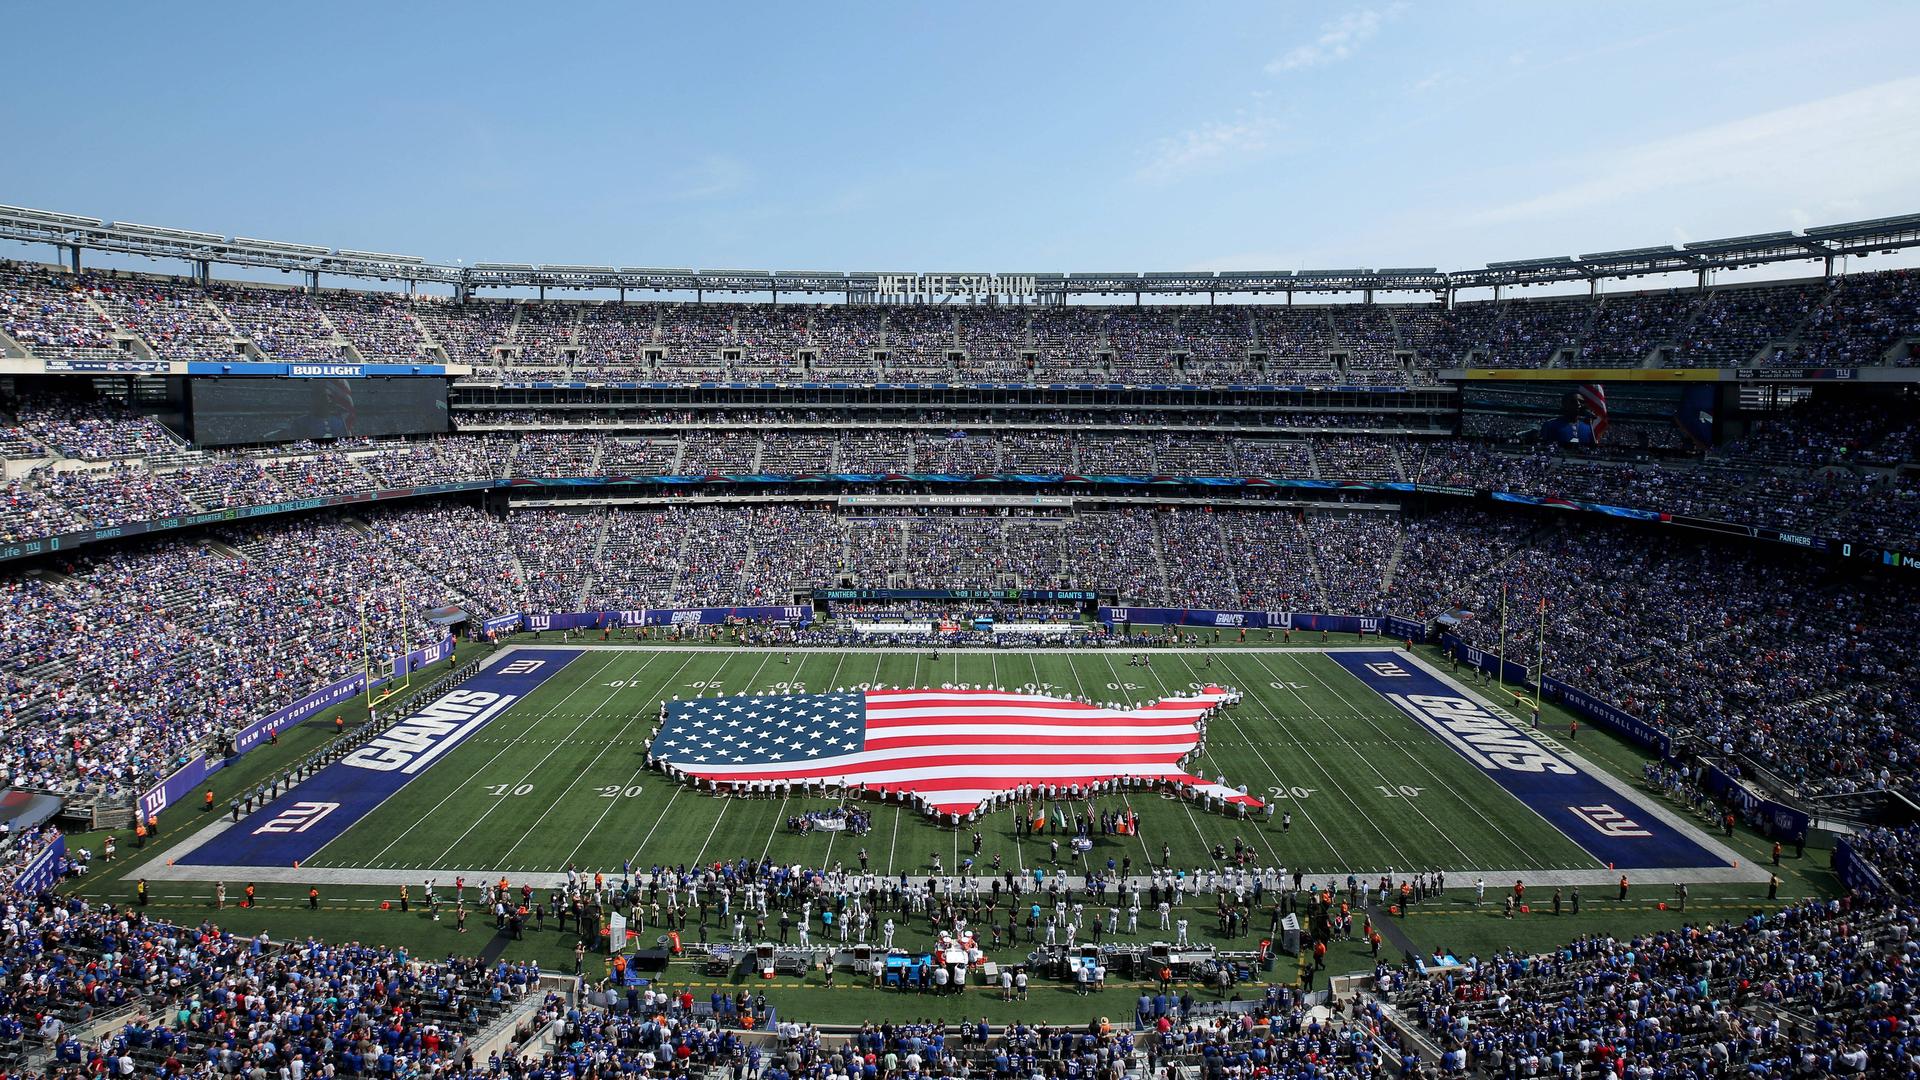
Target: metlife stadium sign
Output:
{"points": [[912, 286]]}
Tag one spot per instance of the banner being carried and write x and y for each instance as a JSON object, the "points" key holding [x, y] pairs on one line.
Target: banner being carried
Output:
{"points": [[950, 751]]}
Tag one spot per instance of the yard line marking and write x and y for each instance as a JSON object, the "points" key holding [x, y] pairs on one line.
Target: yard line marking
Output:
{"points": [[700, 856], [637, 773], [1228, 714], [826, 862], [1165, 690], [751, 680], [588, 767], [677, 788], [1145, 854], [1376, 772], [778, 815], [404, 833], [1428, 769], [1332, 786], [773, 830], [895, 845], [1205, 847], [497, 803]]}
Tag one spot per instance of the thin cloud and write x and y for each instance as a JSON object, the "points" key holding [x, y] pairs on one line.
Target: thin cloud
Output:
{"points": [[1209, 146], [1438, 80], [1847, 146], [1336, 41], [709, 176]]}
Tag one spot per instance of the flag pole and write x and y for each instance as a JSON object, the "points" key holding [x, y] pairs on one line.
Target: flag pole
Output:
{"points": [[1540, 679], [1500, 656]]}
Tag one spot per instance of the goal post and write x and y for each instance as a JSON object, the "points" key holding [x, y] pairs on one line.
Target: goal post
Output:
{"points": [[394, 668]]}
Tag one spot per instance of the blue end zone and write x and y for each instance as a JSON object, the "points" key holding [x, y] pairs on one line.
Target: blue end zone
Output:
{"points": [[1578, 804], [315, 811]]}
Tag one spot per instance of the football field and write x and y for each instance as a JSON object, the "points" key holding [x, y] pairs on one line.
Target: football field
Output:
{"points": [[555, 776]]}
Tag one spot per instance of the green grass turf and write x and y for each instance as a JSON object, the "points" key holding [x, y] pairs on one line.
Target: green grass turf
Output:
{"points": [[560, 779]]}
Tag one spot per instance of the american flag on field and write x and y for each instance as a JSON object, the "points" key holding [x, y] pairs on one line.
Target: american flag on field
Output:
{"points": [[952, 749], [1593, 398]]}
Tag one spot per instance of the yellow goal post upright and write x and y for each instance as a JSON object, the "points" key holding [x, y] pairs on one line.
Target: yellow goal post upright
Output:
{"points": [[397, 682], [1519, 693]]}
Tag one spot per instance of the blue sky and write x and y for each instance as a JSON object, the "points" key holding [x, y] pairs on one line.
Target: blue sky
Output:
{"points": [[965, 137]]}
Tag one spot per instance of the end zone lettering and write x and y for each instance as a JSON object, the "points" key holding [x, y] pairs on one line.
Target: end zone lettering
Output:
{"points": [[328, 803], [1484, 739], [413, 743], [1603, 820]]}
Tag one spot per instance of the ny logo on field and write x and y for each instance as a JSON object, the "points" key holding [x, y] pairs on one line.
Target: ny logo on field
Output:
{"points": [[1387, 669], [1609, 821], [298, 818], [522, 667]]}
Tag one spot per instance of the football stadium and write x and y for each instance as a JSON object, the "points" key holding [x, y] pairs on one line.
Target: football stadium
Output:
{"points": [[473, 666]]}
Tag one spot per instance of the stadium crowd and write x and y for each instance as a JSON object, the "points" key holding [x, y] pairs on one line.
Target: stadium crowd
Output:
{"points": [[88, 465], [207, 1002], [1815, 987], [1853, 320], [1822, 988]]}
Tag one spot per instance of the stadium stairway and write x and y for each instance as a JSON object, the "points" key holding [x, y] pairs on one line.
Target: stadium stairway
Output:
{"points": [[1392, 565], [338, 340], [1305, 538], [519, 570], [513, 1028], [1684, 333], [9, 347], [1399, 467], [1159, 561], [1671, 652], [1404, 1024], [1791, 342], [133, 343], [426, 335], [599, 550], [1579, 343], [39, 677], [511, 335], [221, 548], [220, 314]]}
